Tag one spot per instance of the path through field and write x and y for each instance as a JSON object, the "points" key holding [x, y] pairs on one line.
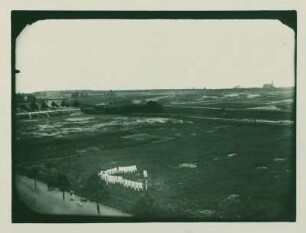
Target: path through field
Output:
{"points": [[44, 201]]}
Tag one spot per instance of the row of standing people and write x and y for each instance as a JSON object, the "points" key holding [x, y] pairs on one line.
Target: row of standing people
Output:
{"points": [[125, 170], [110, 179]]}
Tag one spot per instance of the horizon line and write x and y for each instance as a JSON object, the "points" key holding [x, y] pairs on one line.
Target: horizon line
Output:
{"points": [[147, 89]]}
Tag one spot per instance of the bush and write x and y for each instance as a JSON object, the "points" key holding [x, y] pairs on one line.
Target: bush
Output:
{"points": [[54, 104], [147, 207], [44, 105]]}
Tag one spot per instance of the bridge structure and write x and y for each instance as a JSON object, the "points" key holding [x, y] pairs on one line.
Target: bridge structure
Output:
{"points": [[47, 113]]}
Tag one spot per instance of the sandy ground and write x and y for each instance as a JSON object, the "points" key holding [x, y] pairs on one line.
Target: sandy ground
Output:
{"points": [[44, 201]]}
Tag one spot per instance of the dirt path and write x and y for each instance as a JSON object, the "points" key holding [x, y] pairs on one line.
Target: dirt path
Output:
{"points": [[44, 201], [216, 108], [243, 120]]}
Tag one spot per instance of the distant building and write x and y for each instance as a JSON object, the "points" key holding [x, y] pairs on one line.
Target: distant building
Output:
{"points": [[268, 86]]}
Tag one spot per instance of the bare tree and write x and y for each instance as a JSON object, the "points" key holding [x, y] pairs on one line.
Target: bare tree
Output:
{"points": [[33, 175], [96, 189], [63, 184]]}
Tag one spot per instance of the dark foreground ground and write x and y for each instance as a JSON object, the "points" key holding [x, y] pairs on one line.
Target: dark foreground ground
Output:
{"points": [[198, 168]]}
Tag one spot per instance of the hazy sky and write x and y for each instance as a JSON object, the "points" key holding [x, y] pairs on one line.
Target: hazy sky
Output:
{"points": [[150, 54]]}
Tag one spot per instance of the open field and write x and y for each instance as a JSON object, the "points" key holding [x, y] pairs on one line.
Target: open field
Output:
{"points": [[199, 168]]}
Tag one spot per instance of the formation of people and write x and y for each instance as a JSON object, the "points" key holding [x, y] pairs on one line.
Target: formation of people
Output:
{"points": [[109, 177], [124, 170]]}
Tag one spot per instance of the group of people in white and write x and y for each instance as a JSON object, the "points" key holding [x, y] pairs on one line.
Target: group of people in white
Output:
{"points": [[109, 177], [124, 170]]}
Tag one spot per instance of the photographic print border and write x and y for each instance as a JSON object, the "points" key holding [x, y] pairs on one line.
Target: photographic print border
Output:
{"points": [[20, 19]]}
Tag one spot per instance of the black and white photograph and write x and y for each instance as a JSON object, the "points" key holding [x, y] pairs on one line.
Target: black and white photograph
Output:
{"points": [[181, 116]]}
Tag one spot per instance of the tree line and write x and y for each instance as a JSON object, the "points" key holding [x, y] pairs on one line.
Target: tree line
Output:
{"points": [[32, 103]]}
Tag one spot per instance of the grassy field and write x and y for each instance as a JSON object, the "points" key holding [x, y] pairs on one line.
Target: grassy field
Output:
{"points": [[198, 169]]}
